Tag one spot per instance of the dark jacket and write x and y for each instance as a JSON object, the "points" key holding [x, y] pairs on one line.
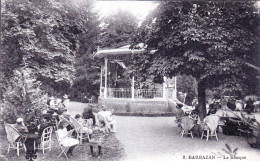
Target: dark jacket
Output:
{"points": [[88, 114]]}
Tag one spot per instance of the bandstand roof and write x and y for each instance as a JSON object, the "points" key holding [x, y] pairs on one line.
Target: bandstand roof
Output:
{"points": [[118, 51]]}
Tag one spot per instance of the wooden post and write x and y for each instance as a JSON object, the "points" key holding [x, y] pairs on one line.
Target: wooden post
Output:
{"points": [[164, 87], [133, 87], [105, 90]]}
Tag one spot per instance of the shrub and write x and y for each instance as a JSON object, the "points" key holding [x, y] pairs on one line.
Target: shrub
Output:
{"points": [[23, 98]]}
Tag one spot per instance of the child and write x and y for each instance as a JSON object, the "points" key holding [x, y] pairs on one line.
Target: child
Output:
{"points": [[97, 139], [85, 127]]}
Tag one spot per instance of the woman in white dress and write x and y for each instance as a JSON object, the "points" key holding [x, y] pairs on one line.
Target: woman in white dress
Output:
{"points": [[65, 140]]}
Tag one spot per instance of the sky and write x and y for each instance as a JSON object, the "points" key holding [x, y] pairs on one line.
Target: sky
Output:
{"points": [[139, 8]]}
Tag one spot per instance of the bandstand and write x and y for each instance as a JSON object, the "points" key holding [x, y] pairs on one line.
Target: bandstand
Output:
{"points": [[123, 92]]}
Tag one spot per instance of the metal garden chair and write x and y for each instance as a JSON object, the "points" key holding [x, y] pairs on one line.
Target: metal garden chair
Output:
{"points": [[63, 148], [45, 140]]}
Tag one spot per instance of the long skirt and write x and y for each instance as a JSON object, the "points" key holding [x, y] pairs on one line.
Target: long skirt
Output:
{"points": [[69, 142]]}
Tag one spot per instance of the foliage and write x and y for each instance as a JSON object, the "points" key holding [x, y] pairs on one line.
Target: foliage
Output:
{"points": [[23, 97], [229, 151], [117, 29], [41, 38], [211, 41], [87, 68], [254, 128], [187, 84], [39, 35]]}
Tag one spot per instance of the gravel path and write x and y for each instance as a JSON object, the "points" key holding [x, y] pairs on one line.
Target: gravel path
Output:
{"points": [[157, 139]]}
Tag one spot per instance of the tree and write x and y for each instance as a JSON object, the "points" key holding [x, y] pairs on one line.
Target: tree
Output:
{"points": [[40, 38], [117, 29], [23, 97], [87, 68], [188, 85], [210, 41]]}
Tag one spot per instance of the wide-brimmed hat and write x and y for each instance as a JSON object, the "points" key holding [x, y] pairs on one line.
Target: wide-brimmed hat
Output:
{"points": [[65, 96], [52, 98], [19, 120]]}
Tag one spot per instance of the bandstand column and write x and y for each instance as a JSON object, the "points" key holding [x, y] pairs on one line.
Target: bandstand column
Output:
{"points": [[175, 88], [164, 87], [105, 90], [133, 87], [101, 79]]}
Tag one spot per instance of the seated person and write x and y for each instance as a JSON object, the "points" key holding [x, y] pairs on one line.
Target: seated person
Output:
{"points": [[196, 110], [217, 104], [19, 125], [61, 104], [249, 106], [46, 122], [212, 109], [65, 140], [231, 104], [239, 105], [180, 112], [97, 139], [65, 114], [194, 102], [53, 103], [108, 120], [83, 123], [67, 117], [88, 114]]}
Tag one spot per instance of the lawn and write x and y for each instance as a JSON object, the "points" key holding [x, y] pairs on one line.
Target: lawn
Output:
{"points": [[112, 151]]}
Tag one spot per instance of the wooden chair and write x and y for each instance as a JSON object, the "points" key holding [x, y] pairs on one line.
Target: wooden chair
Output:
{"points": [[15, 138], [45, 140], [186, 124], [63, 148], [210, 126], [79, 130]]}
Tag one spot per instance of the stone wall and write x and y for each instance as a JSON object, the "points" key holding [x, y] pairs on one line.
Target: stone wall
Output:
{"points": [[123, 105]]}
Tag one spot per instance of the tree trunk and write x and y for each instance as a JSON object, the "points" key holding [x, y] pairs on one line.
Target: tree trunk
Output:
{"points": [[202, 98]]}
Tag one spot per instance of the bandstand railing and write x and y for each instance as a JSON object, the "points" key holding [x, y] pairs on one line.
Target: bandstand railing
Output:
{"points": [[148, 93], [119, 93], [139, 93]]}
